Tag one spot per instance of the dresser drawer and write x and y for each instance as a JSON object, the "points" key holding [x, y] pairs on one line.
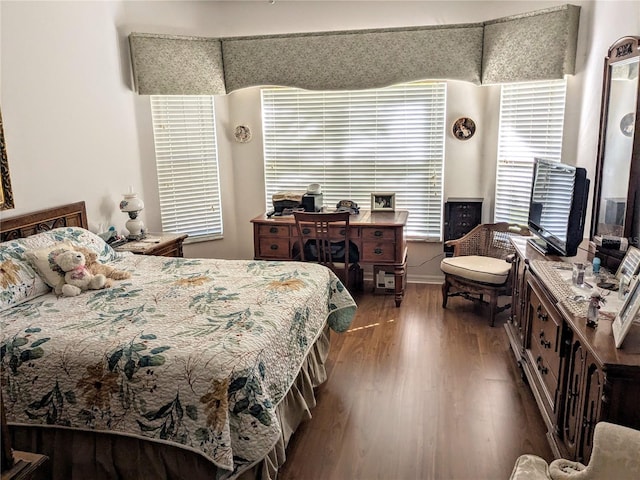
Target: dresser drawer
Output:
{"points": [[377, 252], [378, 234], [274, 231], [274, 248], [545, 329], [546, 376]]}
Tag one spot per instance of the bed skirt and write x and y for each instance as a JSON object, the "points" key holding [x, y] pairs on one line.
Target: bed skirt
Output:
{"points": [[81, 455]]}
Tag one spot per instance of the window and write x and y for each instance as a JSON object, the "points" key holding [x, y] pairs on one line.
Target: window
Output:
{"points": [[354, 143], [531, 125], [187, 165]]}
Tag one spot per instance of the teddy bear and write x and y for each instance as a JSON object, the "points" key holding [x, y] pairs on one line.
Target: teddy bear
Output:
{"points": [[77, 277], [95, 267]]}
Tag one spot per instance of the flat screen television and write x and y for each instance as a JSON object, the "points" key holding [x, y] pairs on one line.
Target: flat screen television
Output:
{"points": [[558, 206]]}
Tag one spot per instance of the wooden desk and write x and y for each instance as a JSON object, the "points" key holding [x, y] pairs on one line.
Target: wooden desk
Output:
{"points": [[379, 236]]}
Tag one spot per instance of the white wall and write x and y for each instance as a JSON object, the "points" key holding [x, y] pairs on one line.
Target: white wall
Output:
{"points": [[75, 129]]}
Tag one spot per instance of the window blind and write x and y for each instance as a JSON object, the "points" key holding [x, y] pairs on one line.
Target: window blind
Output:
{"points": [[186, 163], [531, 125], [354, 143]]}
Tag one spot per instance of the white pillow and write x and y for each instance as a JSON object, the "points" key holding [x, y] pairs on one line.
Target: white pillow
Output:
{"points": [[75, 235]]}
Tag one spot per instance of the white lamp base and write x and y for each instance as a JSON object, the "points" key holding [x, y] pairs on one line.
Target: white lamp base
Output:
{"points": [[136, 229]]}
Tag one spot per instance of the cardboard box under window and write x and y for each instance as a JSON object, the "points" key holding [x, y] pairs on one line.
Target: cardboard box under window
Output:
{"points": [[383, 281]]}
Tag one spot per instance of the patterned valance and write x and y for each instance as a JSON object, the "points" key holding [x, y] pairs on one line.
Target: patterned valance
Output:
{"points": [[535, 46], [354, 60], [173, 65]]}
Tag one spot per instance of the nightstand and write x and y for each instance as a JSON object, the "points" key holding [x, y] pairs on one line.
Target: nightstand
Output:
{"points": [[159, 244], [26, 466]]}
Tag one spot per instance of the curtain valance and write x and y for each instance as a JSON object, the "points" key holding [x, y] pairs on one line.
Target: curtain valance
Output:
{"points": [[354, 60], [539, 45], [173, 65]]}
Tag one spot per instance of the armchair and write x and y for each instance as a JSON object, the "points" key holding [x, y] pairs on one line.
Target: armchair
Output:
{"points": [[481, 265], [615, 455]]}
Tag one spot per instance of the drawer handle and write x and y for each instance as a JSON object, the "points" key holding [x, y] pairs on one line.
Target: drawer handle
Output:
{"points": [[306, 231], [273, 246], [377, 251], [377, 233], [273, 230], [542, 369], [542, 316], [342, 231], [543, 342]]}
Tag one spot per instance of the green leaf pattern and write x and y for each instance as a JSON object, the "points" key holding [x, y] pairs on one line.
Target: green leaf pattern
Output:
{"points": [[141, 356]]}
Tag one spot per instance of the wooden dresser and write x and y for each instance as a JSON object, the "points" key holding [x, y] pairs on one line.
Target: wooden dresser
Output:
{"points": [[379, 236], [577, 376]]}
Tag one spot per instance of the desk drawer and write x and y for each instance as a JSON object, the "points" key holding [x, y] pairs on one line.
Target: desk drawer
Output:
{"points": [[377, 252], [378, 233], [273, 231], [274, 248]]}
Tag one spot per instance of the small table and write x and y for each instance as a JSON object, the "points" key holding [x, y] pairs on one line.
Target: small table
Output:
{"points": [[159, 244]]}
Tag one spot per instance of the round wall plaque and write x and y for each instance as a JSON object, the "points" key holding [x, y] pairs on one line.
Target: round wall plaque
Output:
{"points": [[464, 128], [242, 134]]}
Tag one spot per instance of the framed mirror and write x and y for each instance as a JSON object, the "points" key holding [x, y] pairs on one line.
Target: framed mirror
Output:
{"points": [[616, 207], [6, 195]]}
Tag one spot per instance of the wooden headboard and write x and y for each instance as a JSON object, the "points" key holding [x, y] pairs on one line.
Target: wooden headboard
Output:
{"points": [[71, 215]]}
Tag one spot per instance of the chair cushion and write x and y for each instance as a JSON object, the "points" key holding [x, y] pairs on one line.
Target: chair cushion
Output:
{"points": [[489, 270], [530, 467]]}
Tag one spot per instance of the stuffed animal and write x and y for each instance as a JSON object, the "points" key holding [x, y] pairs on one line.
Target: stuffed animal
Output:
{"points": [[95, 267], [77, 277]]}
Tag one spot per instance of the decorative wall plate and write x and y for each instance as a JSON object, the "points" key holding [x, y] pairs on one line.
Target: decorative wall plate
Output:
{"points": [[464, 128], [627, 124], [242, 134]]}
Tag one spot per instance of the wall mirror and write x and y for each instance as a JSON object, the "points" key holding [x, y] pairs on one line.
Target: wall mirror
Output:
{"points": [[616, 208], [6, 195]]}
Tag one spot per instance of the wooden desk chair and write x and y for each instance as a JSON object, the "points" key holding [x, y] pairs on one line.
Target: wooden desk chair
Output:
{"points": [[324, 239], [481, 265]]}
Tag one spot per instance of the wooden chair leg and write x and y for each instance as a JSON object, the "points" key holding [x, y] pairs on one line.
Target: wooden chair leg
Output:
{"points": [[493, 303], [445, 292]]}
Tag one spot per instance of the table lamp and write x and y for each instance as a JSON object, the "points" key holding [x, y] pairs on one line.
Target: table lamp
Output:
{"points": [[132, 205]]}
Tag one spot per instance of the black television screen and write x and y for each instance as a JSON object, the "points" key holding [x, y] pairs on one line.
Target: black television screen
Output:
{"points": [[557, 208]]}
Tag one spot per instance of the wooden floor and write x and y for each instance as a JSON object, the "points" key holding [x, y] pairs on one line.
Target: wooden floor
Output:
{"points": [[418, 392]]}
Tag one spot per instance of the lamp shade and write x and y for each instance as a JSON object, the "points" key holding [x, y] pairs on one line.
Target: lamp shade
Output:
{"points": [[131, 203]]}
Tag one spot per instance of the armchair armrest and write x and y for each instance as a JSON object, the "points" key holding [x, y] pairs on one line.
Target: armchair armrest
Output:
{"points": [[614, 455]]}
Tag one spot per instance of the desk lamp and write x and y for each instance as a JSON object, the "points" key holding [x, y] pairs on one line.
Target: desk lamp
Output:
{"points": [[132, 205]]}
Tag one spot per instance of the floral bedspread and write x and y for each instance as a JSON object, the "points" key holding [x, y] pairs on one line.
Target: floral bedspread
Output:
{"points": [[189, 351]]}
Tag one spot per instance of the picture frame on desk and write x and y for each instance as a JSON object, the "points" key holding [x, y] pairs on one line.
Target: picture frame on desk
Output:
{"points": [[627, 314], [383, 202], [629, 266]]}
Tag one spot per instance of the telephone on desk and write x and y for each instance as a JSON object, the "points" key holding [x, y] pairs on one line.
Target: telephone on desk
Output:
{"points": [[347, 206]]}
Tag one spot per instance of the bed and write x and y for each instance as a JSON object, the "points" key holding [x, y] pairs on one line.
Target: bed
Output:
{"points": [[191, 368]]}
